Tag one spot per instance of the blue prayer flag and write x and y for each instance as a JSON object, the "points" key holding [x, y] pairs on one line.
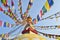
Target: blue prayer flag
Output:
{"points": [[50, 2], [4, 24], [38, 18]]}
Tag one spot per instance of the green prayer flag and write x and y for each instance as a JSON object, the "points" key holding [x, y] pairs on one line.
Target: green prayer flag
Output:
{"points": [[44, 10]]}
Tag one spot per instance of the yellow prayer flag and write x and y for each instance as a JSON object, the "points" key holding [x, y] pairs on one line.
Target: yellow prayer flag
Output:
{"points": [[29, 6], [2, 35], [47, 6], [11, 14], [14, 19]]}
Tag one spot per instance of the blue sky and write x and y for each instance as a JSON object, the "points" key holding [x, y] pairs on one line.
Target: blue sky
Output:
{"points": [[37, 6]]}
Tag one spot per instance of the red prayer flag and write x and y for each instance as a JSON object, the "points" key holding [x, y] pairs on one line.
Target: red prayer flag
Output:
{"points": [[1, 9], [40, 13], [0, 23], [9, 10]]}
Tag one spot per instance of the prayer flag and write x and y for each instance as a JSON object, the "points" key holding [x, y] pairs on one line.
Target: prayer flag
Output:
{"points": [[38, 18], [50, 2], [0, 23], [44, 10], [47, 6], [34, 21], [41, 13], [1, 9], [4, 24]]}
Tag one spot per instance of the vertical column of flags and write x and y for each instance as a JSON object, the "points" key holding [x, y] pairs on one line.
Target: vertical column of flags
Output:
{"points": [[4, 2], [20, 6], [21, 10], [12, 4], [5, 24], [19, 3], [29, 6]]}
